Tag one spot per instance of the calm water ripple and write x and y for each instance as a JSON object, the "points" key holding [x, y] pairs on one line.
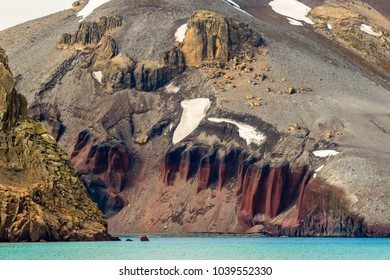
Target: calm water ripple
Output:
{"points": [[201, 248]]}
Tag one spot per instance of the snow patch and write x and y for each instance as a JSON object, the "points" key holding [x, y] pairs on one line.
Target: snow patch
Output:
{"points": [[294, 22], [368, 29], [235, 5], [194, 111], [19, 11], [318, 170], [246, 132], [98, 75], [90, 7], [325, 153], [292, 9], [181, 33], [171, 88]]}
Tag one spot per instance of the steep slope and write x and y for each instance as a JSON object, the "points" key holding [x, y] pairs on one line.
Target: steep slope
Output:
{"points": [[41, 196], [264, 99]]}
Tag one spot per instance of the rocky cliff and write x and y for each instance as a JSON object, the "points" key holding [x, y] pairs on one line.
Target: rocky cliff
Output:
{"points": [[258, 112], [272, 196], [90, 33], [211, 40], [41, 196], [12, 104]]}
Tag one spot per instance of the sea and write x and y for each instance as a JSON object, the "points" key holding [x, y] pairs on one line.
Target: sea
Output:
{"points": [[203, 248]]}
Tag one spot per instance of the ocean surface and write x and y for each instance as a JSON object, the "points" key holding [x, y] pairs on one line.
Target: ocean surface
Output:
{"points": [[201, 248]]}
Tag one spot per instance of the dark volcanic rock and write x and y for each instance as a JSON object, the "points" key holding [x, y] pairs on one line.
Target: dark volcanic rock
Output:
{"points": [[144, 238], [212, 39], [50, 116], [109, 161], [109, 203], [271, 189], [90, 33]]}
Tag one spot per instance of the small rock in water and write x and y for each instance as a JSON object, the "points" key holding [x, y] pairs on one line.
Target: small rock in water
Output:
{"points": [[129, 240], [144, 238]]}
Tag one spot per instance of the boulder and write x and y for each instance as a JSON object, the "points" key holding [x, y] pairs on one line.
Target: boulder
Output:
{"points": [[144, 238], [213, 39]]}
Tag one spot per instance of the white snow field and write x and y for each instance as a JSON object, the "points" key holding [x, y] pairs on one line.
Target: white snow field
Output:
{"points": [[368, 29], [246, 131], [90, 7], [98, 75], [171, 88], [325, 153], [181, 33], [194, 111], [292, 9]]}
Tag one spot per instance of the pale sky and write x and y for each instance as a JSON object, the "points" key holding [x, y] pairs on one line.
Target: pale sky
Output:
{"points": [[13, 12]]}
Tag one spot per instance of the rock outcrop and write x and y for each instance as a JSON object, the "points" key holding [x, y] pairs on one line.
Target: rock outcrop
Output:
{"points": [[41, 197], [344, 25], [212, 39], [12, 104], [118, 73], [90, 33]]}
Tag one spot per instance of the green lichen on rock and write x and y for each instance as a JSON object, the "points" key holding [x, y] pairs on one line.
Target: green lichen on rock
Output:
{"points": [[41, 197]]}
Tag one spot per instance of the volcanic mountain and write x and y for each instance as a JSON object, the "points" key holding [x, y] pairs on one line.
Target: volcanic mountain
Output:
{"points": [[218, 116]]}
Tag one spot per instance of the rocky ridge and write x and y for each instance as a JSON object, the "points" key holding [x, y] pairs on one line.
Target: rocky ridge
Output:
{"points": [[41, 196], [211, 41], [301, 95]]}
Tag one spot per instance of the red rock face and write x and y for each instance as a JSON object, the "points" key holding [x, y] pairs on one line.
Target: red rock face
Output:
{"points": [[271, 190], [282, 198], [108, 164]]}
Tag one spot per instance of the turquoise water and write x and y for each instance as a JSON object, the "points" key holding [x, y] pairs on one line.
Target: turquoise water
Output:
{"points": [[201, 248]]}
